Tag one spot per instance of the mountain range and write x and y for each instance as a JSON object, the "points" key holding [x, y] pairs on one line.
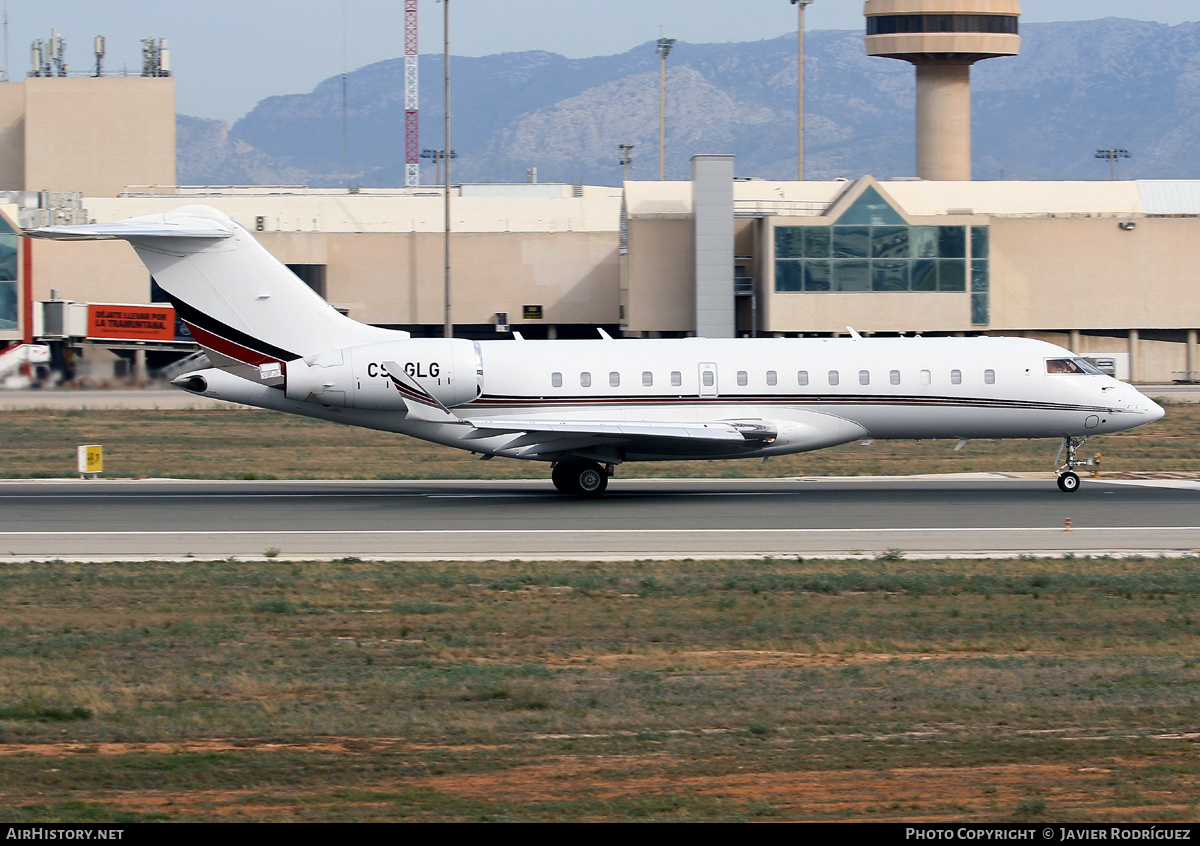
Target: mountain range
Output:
{"points": [[1076, 87]]}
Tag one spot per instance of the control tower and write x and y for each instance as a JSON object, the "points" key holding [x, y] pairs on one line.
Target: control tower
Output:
{"points": [[943, 38]]}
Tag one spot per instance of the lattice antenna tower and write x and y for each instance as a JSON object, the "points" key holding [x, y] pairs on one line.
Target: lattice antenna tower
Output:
{"points": [[412, 146]]}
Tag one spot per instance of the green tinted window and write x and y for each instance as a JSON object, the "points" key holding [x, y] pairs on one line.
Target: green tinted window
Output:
{"points": [[889, 241], [870, 208], [851, 275], [952, 242], [851, 241], [952, 275], [8, 277], [8, 258], [979, 310], [924, 275], [817, 275], [923, 241], [889, 275], [979, 242], [979, 277], [882, 257], [817, 242], [789, 242], [788, 275]]}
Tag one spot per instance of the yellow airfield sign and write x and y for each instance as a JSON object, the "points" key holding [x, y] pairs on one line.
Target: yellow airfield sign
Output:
{"points": [[90, 459]]}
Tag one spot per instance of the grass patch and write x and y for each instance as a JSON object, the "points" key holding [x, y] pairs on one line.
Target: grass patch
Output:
{"points": [[821, 690], [43, 713], [240, 444]]}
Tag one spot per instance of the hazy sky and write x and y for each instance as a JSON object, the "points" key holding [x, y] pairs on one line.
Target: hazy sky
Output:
{"points": [[229, 54]]}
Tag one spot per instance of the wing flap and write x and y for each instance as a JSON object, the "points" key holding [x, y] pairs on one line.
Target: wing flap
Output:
{"points": [[613, 438], [731, 431]]}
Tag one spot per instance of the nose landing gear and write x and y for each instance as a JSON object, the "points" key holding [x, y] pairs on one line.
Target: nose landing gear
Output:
{"points": [[1068, 479]]}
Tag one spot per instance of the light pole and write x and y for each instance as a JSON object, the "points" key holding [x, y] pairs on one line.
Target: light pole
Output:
{"points": [[437, 156], [800, 4], [1112, 156], [625, 161], [664, 50], [447, 322]]}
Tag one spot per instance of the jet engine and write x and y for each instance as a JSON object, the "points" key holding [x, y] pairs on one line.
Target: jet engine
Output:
{"points": [[357, 377]]}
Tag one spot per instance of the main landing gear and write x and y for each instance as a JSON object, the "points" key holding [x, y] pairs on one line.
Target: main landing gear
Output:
{"points": [[580, 478], [1068, 479]]}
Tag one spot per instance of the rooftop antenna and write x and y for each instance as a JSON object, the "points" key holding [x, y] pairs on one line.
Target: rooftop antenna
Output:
{"points": [[57, 49], [155, 57]]}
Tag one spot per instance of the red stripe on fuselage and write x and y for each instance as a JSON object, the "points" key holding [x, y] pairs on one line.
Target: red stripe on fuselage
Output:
{"points": [[228, 348]]}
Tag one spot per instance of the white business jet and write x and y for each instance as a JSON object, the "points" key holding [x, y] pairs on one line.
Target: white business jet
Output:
{"points": [[587, 406]]}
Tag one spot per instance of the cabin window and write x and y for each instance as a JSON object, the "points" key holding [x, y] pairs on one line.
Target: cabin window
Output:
{"points": [[614, 379], [955, 377], [802, 378], [772, 378], [708, 378], [894, 377], [742, 378], [864, 377], [647, 379], [926, 377], [676, 378], [585, 380], [989, 377], [556, 380], [834, 378]]}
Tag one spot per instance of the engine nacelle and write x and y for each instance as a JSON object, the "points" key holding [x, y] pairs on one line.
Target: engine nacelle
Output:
{"points": [[357, 377]]}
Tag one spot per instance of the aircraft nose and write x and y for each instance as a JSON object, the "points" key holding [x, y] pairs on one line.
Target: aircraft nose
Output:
{"points": [[1153, 411]]}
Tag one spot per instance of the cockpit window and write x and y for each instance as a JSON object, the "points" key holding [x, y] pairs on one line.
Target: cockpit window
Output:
{"points": [[1075, 366]]}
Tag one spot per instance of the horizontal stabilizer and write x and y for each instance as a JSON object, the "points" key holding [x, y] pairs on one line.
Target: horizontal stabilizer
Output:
{"points": [[144, 227]]}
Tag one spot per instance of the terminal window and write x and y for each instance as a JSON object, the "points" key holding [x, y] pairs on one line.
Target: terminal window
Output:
{"points": [[8, 279], [871, 248]]}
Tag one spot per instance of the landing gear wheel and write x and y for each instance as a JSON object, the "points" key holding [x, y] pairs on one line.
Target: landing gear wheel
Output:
{"points": [[1068, 482], [581, 478], [561, 477]]}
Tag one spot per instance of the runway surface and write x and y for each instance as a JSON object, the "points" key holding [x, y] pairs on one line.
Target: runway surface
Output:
{"points": [[920, 515]]}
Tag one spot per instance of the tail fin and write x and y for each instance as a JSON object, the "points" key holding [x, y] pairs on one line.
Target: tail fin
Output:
{"points": [[242, 304]]}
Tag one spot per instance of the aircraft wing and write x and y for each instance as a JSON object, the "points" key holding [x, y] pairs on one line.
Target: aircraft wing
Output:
{"points": [[550, 437]]}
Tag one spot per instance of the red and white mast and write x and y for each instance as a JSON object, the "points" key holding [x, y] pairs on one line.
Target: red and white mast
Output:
{"points": [[412, 147]]}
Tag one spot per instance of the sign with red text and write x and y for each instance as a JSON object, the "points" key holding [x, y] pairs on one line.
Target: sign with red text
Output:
{"points": [[131, 322]]}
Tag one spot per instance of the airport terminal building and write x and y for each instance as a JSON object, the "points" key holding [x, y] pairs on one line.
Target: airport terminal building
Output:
{"points": [[1110, 270]]}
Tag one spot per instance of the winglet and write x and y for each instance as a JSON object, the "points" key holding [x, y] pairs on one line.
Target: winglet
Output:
{"points": [[853, 334]]}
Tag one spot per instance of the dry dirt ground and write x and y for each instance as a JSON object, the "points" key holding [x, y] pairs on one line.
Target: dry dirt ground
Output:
{"points": [[1060, 792]]}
